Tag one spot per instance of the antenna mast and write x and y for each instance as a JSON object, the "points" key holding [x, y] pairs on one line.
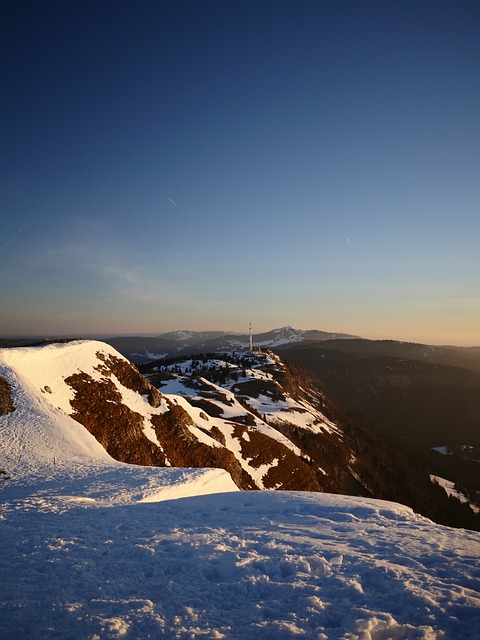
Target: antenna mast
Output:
{"points": [[251, 337]]}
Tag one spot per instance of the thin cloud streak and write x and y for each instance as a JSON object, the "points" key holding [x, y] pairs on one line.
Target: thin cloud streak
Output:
{"points": [[5, 244]]}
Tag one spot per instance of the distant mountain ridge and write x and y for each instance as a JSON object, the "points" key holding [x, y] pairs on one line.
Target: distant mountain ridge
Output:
{"points": [[140, 349]]}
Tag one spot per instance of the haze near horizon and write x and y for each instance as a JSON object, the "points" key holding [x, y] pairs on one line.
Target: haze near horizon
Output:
{"points": [[202, 165]]}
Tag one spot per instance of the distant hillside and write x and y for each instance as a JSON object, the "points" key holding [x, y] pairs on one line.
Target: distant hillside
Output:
{"points": [[427, 394], [420, 396], [185, 343]]}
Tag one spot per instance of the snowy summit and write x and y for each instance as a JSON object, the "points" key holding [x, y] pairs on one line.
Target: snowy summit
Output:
{"points": [[94, 548]]}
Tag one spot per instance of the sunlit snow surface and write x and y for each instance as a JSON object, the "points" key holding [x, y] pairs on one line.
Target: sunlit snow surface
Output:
{"points": [[233, 565], [95, 549]]}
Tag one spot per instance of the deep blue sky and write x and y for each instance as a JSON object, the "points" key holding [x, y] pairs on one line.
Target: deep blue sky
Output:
{"points": [[206, 164]]}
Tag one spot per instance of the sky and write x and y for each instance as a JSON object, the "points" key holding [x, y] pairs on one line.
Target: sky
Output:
{"points": [[205, 164]]}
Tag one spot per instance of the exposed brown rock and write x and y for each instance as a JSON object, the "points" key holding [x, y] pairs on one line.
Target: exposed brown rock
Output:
{"points": [[98, 406], [184, 450], [217, 435], [291, 472], [212, 409], [6, 400], [129, 376], [255, 388]]}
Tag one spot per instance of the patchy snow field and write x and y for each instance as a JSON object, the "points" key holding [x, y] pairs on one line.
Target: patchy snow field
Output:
{"points": [[94, 549], [299, 413]]}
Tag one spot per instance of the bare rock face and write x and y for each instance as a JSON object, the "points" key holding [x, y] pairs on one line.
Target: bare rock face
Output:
{"points": [[6, 400], [183, 449], [129, 376], [98, 405], [286, 469]]}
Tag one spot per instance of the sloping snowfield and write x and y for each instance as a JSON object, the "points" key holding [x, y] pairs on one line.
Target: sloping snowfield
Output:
{"points": [[233, 565], [95, 549]]}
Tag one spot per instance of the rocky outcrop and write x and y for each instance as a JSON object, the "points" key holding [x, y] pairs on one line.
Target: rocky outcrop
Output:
{"points": [[6, 400], [183, 449], [98, 405], [129, 376]]}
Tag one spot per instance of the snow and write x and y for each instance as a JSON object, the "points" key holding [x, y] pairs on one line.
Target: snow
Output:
{"points": [[181, 335], [96, 549], [466, 451], [150, 355], [42, 446], [182, 389], [241, 565], [47, 367], [449, 488], [36, 435], [298, 413], [174, 386], [442, 450], [283, 335]]}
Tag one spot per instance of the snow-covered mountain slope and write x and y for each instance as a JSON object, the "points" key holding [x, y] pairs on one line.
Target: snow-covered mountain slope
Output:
{"points": [[42, 446], [262, 391], [247, 395], [92, 383]]}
